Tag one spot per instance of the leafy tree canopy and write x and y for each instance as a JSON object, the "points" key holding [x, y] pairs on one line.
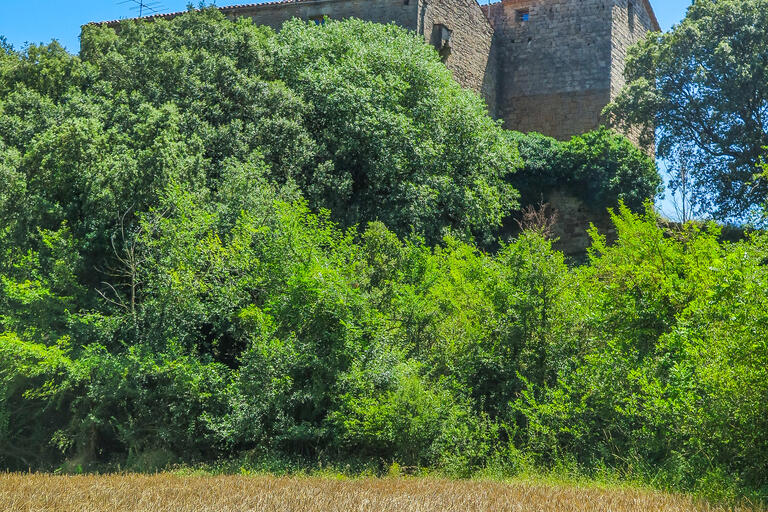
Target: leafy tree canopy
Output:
{"points": [[362, 118], [704, 86], [173, 287], [601, 167]]}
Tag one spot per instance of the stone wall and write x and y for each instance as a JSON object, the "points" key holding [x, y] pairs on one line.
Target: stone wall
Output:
{"points": [[574, 217], [401, 12], [631, 21], [560, 115], [468, 51], [554, 76]]}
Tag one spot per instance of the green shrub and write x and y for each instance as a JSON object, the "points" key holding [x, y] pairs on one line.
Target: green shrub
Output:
{"points": [[600, 167], [35, 391], [173, 290], [400, 422]]}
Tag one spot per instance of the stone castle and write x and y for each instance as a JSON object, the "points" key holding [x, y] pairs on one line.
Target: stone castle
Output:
{"points": [[542, 65]]}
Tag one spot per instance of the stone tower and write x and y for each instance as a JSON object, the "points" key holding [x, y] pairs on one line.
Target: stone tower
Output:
{"points": [[559, 62]]}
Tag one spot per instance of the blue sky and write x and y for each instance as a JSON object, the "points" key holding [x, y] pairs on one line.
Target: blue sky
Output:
{"points": [[39, 21]]}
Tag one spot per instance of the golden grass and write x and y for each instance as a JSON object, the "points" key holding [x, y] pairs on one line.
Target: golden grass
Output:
{"points": [[168, 492]]}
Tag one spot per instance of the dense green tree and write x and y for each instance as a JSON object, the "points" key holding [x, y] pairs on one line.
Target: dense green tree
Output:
{"points": [[370, 126], [401, 141], [600, 167], [704, 87], [173, 287]]}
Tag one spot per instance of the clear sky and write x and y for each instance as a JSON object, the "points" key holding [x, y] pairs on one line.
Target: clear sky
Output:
{"points": [[39, 21]]}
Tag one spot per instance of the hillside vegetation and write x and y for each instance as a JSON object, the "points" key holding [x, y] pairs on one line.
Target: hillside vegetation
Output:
{"points": [[218, 242]]}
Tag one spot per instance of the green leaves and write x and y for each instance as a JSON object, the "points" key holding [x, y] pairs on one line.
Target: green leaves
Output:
{"points": [[600, 167], [408, 146], [174, 286], [702, 87], [671, 319], [34, 386]]}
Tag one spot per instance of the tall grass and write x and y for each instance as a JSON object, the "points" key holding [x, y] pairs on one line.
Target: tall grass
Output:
{"points": [[170, 492]]}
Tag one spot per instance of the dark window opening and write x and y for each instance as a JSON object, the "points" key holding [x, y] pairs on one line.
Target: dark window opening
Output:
{"points": [[631, 14], [441, 39], [523, 15]]}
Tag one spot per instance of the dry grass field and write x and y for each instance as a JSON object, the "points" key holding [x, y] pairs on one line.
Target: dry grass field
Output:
{"points": [[167, 492]]}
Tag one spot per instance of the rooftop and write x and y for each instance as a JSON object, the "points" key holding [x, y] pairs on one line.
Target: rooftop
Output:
{"points": [[226, 10], [232, 9]]}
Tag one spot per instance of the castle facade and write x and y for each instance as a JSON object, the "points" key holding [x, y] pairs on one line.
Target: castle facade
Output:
{"points": [[542, 65]]}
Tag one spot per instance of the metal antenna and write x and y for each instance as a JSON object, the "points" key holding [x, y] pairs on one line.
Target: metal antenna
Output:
{"points": [[143, 5]]}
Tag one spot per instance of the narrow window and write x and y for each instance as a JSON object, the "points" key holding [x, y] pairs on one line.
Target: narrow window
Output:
{"points": [[631, 15], [441, 39], [523, 15]]}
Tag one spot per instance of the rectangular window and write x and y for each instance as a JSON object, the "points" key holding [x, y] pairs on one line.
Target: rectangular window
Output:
{"points": [[523, 15], [441, 39]]}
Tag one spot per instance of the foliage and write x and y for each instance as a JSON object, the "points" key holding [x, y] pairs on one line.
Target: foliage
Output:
{"points": [[703, 87], [281, 333], [404, 144], [371, 126], [33, 393], [600, 167], [173, 289], [666, 345]]}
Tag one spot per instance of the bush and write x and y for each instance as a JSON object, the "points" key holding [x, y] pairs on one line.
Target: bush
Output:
{"points": [[400, 422], [35, 390], [654, 387], [172, 289], [600, 167]]}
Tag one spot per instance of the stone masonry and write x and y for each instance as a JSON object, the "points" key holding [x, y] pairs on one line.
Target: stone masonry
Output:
{"points": [[557, 71], [542, 65], [563, 60]]}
